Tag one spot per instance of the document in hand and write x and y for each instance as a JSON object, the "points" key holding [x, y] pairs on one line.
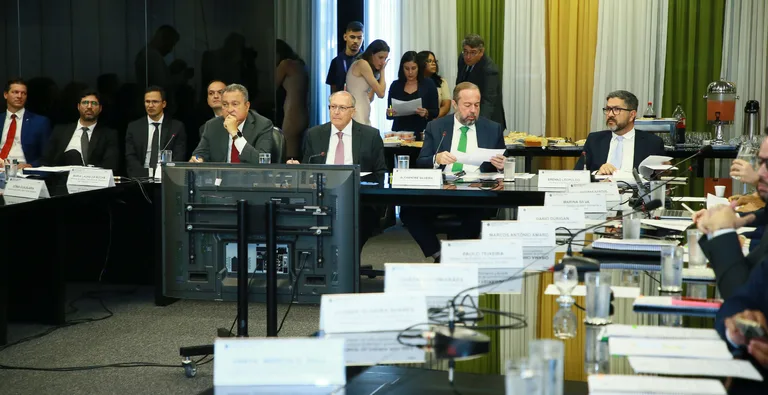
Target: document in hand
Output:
{"points": [[478, 156], [405, 108], [654, 163]]}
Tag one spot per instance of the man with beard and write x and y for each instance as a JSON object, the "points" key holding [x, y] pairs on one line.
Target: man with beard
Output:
{"points": [[337, 72], [465, 132], [621, 148], [85, 142]]}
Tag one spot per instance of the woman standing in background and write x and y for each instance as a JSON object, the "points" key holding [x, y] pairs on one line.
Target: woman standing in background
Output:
{"points": [[431, 70], [411, 85], [366, 78], [292, 87]]}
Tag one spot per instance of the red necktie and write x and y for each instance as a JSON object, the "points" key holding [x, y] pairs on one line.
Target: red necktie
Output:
{"points": [[234, 156], [9, 139]]}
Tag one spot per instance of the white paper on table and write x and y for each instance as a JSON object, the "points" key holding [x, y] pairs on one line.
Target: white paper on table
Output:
{"points": [[713, 201], [691, 199], [673, 224], [405, 108], [680, 348], [581, 290], [478, 156], [654, 163], [627, 384], [659, 332], [524, 176], [695, 367], [51, 169]]}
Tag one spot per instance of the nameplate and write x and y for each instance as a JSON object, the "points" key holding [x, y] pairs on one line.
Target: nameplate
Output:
{"points": [[610, 189], [571, 218], [266, 362], [91, 177], [157, 174], [440, 283], [26, 188], [370, 312], [375, 348], [537, 239], [497, 261], [417, 178], [562, 178], [589, 202]]}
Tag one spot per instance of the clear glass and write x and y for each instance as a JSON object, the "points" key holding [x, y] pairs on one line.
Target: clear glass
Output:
{"points": [[698, 291], [598, 298], [403, 162], [696, 257], [11, 168], [265, 158], [671, 269], [509, 168], [748, 153], [674, 320], [630, 226], [630, 278], [566, 280], [659, 191], [166, 156], [564, 322], [596, 356], [550, 354], [523, 377]]}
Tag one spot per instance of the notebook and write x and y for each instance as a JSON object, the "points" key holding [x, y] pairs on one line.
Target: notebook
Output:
{"points": [[632, 245], [677, 305]]}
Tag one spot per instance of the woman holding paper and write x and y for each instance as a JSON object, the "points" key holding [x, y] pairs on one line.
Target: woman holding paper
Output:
{"points": [[366, 78], [411, 85]]}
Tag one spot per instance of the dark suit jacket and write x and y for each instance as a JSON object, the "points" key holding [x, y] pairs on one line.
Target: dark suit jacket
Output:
{"points": [[732, 268], [103, 150], [35, 132], [367, 147], [428, 94], [485, 75], [599, 143], [489, 135], [215, 141], [137, 139]]}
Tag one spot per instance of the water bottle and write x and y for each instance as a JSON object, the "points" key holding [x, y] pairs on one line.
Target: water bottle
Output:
{"points": [[679, 115], [649, 111]]}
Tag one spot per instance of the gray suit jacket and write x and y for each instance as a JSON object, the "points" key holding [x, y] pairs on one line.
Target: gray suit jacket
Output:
{"points": [[257, 131]]}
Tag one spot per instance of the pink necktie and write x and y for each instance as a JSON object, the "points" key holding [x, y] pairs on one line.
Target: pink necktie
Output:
{"points": [[339, 160]]}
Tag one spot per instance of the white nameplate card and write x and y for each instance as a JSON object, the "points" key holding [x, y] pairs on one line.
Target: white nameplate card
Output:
{"points": [[439, 283], [26, 188], [537, 238], [562, 178], [497, 261], [310, 362], [572, 219], [370, 312], [158, 173], [91, 177], [610, 189], [589, 202], [374, 348], [417, 178]]}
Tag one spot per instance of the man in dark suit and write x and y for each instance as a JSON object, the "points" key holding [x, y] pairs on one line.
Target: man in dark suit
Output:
{"points": [[478, 68], [238, 136], [146, 137], [85, 142], [622, 147], [464, 132], [24, 133], [346, 142], [215, 90]]}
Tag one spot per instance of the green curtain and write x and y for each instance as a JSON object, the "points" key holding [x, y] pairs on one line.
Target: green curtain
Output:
{"points": [[486, 18], [694, 57]]}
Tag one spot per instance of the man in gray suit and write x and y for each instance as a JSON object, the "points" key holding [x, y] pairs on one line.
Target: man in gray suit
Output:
{"points": [[238, 136]]}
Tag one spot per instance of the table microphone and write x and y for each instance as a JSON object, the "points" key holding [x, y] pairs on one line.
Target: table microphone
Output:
{"points": [[437, 150], [309, 160], [584, 157], [169, 142], [646, 192]]}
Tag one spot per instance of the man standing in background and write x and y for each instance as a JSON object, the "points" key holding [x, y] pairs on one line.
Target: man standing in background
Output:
{"points": [[337, 73], [478, 68]]}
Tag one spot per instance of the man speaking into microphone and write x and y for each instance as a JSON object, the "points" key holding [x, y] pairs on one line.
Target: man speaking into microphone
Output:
{"points": [[621, 148], [147, 136]]}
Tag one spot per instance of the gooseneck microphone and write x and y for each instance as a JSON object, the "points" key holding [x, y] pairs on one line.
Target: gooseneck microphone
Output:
{"points": [[309, 160], [707, 149], [169, 142], [437, 150]]}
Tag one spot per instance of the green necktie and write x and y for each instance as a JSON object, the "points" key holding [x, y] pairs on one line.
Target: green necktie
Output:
{"points": [[462, 148]]}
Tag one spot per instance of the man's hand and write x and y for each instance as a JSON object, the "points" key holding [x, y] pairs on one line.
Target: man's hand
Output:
{"points": [[742, 169], [196, 159], [607, 169], [498, 162], [292, 162], [758, 348], [445, 158], [23, 166], [230, 123], [722, 217], [747, 203], [697, 216], [422, 112]]}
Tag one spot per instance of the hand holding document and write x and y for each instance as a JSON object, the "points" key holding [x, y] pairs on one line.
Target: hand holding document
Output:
{"points": [[654, 163], [405, 108], [478, 156]]}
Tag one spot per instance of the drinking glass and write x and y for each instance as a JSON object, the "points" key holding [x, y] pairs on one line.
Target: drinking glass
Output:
{"points": [[671, 269], [166, 156], [630, 226], [265, 158], [403, 161], [509, 168], [523, 377], [598, 298], [659, 191], [696, 257], [549, 354]]}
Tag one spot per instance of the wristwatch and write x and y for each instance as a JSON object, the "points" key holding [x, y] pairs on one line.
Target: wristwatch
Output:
{"points": [[238, 135]]}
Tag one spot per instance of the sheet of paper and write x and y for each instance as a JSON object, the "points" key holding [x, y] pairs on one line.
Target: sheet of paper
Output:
{"points": [[370, 312], [673, 224], [373, 348], [405, 108], [695, 367], [524, 176], [691, 199], [679, 348], [652, 163], [713, 201], [660, 332], [628, 384], [581, 290], [477, 157], [50, 169]]}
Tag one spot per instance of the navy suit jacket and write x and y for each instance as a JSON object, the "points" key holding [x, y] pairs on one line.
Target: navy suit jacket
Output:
{"points": [[489, 135], [599, 143], [35, 132]]}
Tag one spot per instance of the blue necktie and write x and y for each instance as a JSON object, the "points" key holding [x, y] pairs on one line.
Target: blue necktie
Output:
{"points": [[618, 154]]}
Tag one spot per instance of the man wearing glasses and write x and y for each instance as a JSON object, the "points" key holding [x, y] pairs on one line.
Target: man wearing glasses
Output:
{"points": [[621, 148], [85, 143], [478, 68]]}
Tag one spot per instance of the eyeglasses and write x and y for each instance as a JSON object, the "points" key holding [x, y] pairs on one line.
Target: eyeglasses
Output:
{"points": [[471, 53], [335, 108], [615, 110], [86, 103]]}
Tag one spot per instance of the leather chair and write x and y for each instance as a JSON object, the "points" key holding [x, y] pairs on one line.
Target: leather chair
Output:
{"points": [[279, 149]]}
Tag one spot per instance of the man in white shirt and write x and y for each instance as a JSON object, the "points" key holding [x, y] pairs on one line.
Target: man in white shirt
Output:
{"points": [[621, 148], [23, 134]]}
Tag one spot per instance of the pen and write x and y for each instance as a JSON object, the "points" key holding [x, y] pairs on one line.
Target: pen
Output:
{"points": [[685, 206]]}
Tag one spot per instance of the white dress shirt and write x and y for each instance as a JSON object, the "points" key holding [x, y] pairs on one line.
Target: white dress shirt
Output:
{"points": [[627, 150], [16, 151], [239, 143], [151, 131], [471, 146], [74, 143], [346, 137]]}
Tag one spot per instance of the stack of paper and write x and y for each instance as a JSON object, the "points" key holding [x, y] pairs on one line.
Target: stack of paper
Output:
{"points": [[632, 245], [659, 332], [624, 384], [671, 348]]}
